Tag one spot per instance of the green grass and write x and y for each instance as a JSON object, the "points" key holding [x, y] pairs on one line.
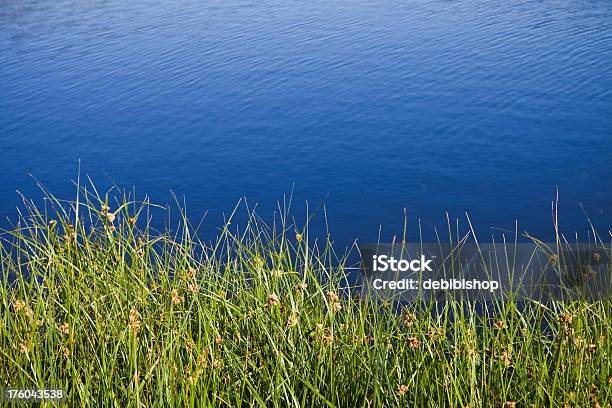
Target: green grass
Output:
{"points": [[116, 313]]}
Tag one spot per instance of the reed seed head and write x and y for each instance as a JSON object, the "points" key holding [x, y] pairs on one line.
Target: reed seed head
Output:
{"points": [[176, 298], [327, 337], [413, 342], [566, 318], [134, 321], [506, 358], [409, 318], [64, 328], [332, 297], [273, 299]]}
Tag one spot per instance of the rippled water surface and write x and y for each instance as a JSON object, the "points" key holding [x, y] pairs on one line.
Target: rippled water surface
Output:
{"points": [[368, 107]]}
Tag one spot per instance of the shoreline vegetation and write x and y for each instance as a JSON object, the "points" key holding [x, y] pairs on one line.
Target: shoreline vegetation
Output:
{"points": [[97, 303]]}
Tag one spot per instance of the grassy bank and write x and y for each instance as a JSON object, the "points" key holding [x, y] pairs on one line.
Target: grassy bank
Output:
{"points": [[95, 302]]}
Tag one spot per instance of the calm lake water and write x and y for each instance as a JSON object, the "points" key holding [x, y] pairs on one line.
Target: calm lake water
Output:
{"points": [[369, 107]]}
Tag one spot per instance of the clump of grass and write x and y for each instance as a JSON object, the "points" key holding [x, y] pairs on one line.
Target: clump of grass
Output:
{"points": [[98, 303]]}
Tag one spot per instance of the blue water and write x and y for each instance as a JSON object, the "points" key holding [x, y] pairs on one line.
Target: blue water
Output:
{"points": [[367, 107]]}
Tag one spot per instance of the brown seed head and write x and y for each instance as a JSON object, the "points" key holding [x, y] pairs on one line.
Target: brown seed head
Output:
{"points": [[63, 328], [176, 298], [566, 318], [273, 299], [134, 321], [332, 297], [413, 342], [409, 318], [506, 358], [189, 346], [327, 338], [500, 325], [18, 305]]}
